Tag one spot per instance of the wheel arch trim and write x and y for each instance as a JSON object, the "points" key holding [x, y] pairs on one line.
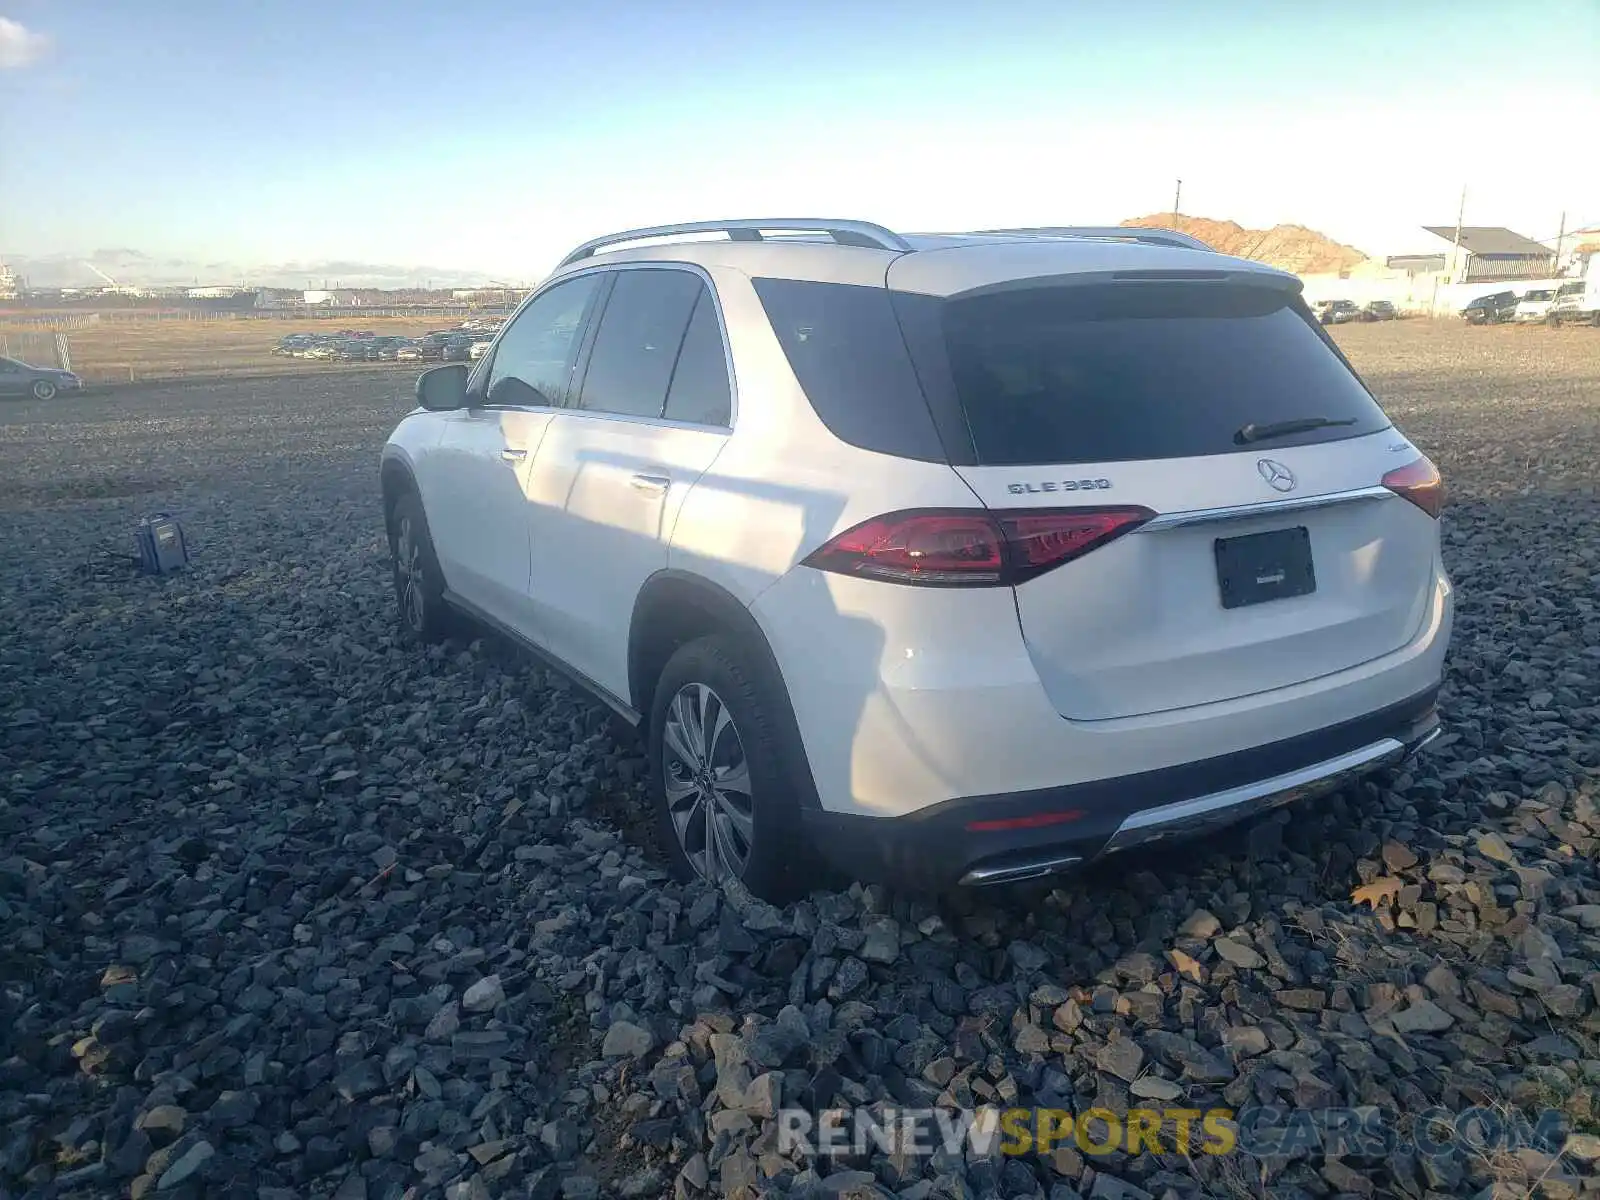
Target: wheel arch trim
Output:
{"points": [[727, 611]]}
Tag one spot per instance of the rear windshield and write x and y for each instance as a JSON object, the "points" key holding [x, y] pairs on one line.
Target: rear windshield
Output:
{"points": [[1111, 372]]}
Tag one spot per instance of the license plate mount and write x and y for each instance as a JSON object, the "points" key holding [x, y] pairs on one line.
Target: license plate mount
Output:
{"points": [[1259, 567]]}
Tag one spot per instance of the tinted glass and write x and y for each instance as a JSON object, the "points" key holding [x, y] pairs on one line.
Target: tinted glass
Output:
{"points": [[699, 390], [640, 334], [1110, 372], [533, 363], [845, 347]]}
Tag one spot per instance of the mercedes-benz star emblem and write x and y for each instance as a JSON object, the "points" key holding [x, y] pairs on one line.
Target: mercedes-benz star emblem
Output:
{"points": [[1278, 476]]}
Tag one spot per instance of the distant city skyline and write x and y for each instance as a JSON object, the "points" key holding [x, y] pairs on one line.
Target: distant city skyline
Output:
{"points": [[380, 143]]}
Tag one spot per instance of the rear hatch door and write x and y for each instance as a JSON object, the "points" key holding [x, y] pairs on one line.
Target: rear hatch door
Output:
{"points": [[1274, 557]]}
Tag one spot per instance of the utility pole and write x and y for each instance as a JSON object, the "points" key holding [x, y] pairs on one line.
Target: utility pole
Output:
{"points": [[1176, 196], [1555, 267], [1455, 250]]}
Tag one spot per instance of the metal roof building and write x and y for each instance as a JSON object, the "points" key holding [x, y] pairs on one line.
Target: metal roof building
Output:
{"points": [[1487, 253]]}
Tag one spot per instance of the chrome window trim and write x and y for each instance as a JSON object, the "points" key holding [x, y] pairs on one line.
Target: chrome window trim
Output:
{"points": [[605, 268]]}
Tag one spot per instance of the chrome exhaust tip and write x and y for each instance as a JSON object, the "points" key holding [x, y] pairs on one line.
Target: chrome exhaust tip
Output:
{"points": [[1017, 871]]}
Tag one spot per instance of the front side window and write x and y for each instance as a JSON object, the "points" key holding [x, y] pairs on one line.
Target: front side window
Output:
{"points": [[533, 362], [636, 347]]}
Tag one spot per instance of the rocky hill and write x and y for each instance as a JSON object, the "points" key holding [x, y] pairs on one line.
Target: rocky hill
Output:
{"points": [[1287, 247]]}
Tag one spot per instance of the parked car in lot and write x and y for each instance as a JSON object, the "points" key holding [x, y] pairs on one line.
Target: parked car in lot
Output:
{"points": [[457, 349], [324, 351], [1339, 312], [357, 350], [389, 348], [1534, 306], [410, 352], [17, 378], [1493, 309], [1379, 310], [291, 342], [1004, 559], [1577, 301], [480, 347], [431, 345]]}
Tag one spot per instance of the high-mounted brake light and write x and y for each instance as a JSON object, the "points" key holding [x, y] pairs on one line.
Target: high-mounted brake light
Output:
{"points": [[1420, 483], [972, 548]]}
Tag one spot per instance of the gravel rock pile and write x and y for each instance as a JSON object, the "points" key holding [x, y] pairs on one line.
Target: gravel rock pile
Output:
{"points": [[291, 909]]}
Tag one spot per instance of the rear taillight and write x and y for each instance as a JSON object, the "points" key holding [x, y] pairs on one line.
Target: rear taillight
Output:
{"points": [[1420, 483], [967, 548]]}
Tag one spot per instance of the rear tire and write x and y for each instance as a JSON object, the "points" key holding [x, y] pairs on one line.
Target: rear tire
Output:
{"points": [[418, 582], [724, 806], [43, 389]]}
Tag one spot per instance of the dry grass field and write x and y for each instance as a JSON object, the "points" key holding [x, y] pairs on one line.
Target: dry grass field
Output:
{"points": [[145, 351], [133, 351]]}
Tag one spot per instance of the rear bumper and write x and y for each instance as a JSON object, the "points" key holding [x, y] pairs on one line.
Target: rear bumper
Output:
{"points": [[983, 840]]}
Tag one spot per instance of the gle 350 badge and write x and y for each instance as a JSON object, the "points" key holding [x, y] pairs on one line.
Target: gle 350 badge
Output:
{"points": [[1059, 485]]}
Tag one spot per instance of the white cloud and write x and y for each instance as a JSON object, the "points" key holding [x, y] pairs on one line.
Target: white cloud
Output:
{"points": [[19, 45]]}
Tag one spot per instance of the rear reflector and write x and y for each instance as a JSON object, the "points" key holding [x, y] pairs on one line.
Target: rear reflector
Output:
{"points": [[1420, 483], [1031, 821], [972, 548]]}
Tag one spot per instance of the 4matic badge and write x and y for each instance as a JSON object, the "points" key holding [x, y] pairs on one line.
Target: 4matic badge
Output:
{"points": [[1061, 485]]}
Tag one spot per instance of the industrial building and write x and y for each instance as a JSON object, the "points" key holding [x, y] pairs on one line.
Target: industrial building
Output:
{"points": [[1478, 254]]}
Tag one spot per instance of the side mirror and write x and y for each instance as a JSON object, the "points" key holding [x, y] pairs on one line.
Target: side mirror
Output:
{"points": [[441, 389]]}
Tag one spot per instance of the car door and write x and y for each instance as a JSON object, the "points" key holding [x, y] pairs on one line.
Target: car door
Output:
{"points": [[480, 469], [654, 408]]}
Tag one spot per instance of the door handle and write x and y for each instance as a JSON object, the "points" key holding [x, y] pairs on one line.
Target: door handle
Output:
{"points": [[651, 483], [513, 455]]}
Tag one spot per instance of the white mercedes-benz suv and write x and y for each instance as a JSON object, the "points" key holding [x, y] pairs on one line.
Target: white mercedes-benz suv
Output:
{"points": [[962, 559]]}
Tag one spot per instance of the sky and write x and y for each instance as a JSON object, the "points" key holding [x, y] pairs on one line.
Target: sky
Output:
{"points": [[492, 135]]}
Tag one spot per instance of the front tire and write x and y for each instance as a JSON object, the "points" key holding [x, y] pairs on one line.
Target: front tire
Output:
{"points": [[43, 389], [724, 807], [418, 582]]}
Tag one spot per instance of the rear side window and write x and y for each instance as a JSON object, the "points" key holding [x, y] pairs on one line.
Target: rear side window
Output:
{"points": [[636, 348], [845, 348], [699, 391], [1112, 372]]}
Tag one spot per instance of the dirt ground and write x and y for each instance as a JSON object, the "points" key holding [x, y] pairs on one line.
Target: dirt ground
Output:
{"points": [[134, 351]]}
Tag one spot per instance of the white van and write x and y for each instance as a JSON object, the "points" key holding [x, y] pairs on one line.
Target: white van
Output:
{"points": [[1577, 301]]}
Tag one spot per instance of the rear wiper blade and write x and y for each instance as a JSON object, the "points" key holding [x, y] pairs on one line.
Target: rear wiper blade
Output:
{"points": [[1277, 429]]}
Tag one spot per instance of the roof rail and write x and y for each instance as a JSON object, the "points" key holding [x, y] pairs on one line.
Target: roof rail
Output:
{"points": [[845, 233], [1122, 233]]}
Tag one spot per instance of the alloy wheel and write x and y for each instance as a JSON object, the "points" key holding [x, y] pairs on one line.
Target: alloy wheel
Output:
{"points": [[707, 781], [408, 565]]}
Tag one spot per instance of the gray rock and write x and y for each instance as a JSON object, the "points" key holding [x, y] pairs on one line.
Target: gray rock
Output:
{"points": [[1422, 1016], [627, 1040], [1121, 1057], [1200, 924], [882, 942], [485, 995], [1493, 846], [187, 1166], [1586, 915], [1153, 1087], [162, 1119], [1238, 954]]}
